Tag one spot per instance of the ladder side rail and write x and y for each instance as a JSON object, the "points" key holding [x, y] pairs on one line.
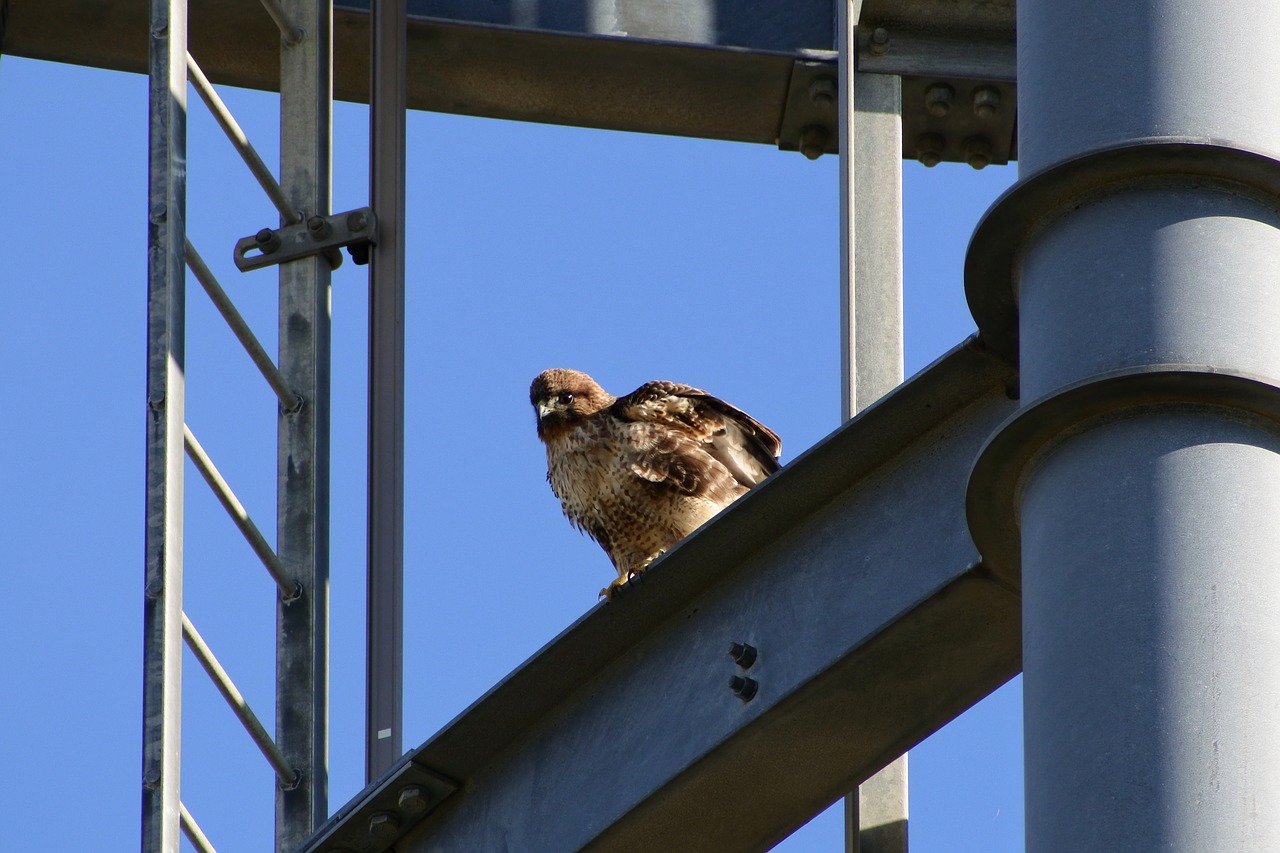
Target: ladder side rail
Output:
{"points": [[302, 537], [162, 600]]}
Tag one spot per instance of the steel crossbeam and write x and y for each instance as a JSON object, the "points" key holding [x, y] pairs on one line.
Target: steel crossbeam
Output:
{"points": [[686, 68]]}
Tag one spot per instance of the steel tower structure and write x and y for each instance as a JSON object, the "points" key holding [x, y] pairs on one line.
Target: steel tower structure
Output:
{"points": [[837, 86], [1085, 490]]}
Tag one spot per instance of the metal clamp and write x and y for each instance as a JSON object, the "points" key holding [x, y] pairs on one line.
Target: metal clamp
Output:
{"points": [[319, 235]]}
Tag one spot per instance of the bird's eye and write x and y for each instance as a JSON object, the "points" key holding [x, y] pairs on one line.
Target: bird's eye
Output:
{"points": [[564, 398]]}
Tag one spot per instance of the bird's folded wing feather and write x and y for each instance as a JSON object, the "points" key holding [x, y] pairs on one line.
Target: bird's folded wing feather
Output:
{"points": [[747, 448]]}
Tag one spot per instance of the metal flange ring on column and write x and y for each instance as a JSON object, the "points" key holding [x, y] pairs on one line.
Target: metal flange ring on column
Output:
{"points": [[994, 251], [992, 498]]}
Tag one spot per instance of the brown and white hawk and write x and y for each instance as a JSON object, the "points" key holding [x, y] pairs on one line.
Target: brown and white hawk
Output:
{"points": [[639, 473]]}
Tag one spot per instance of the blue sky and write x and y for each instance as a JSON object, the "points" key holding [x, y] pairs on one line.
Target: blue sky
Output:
{"points": [[631, 257]]}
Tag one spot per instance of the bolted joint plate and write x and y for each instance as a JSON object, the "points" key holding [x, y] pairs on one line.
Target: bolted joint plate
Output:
{"points": [[810, 118], [959, 96], [385, 813], [319, 235]]}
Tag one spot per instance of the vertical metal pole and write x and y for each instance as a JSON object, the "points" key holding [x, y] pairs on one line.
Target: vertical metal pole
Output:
{"points": [[1150, 543], [302, 639], [871, 333], [162, 601], [870, 239], [385, 608]]}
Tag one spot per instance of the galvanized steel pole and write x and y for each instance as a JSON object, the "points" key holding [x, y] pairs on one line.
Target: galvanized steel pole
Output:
{"points": [[302, 624], [1143, 248], [385, 607], [166, 312], [871, 333]]}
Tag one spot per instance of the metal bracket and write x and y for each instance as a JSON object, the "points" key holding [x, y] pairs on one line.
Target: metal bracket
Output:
{"points": [[384, 813], [810, 117], [319, 235]]}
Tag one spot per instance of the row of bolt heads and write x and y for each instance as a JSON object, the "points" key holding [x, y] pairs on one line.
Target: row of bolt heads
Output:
{"points": [[741, 686], [317, 226], [938, 100], [385, 826]]}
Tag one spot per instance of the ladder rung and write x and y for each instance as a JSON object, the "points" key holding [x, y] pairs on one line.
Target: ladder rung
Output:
{"points": [[289, 401], [192, 830], [290, 34], [241, 142], [289, 589], [287, 775]]}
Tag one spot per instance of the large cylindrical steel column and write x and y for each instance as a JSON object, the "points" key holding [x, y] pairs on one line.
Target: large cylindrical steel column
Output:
{"points": [[1144, 466]]}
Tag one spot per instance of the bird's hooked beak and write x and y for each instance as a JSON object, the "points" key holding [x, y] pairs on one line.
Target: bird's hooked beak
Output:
{"points": [[544, 408]]}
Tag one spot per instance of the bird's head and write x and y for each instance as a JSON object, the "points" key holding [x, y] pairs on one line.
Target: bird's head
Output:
{"points": [[562, 397]]}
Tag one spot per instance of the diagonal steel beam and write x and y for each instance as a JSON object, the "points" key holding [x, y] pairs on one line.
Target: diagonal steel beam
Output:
{"points": [[853, 576]]}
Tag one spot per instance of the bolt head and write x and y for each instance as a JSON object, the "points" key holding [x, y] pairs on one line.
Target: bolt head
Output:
{"points": [[744, 688], [813, 141], [937, 99], [977, 152], [412, 800], [879, 41], [822, 91], [319, 227], [383, 826], [743, 654], [268, 241], [986, 102], [357, 220], [929, 148]]}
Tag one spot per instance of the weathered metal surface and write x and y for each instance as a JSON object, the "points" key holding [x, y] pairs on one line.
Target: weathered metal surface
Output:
{"points": [[302, 472], [384, 624], [989, 273], [693, 68], [318, 235], [853, 576], [870, 111], [164, 34], [1134, 495]]}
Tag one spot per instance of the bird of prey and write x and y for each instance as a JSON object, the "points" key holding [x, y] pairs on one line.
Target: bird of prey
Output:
{"points": [[639, 473]]}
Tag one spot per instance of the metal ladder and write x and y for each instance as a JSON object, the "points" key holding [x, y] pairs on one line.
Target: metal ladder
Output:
{"points": [[299, 562]]}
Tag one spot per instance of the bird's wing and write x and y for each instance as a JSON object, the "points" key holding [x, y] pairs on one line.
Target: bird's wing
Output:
{"points": [[747, 448]]}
